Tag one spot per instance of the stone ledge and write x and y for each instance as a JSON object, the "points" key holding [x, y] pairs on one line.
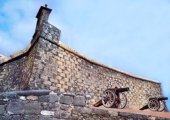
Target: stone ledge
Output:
{"points": [[137, 114]]}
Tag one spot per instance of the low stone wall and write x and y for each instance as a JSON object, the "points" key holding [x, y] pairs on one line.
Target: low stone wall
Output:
{"points": [[38, 104], [47, 105]]}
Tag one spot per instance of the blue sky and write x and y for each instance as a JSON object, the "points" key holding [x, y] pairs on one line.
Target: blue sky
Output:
{"points": [[131, 35]]}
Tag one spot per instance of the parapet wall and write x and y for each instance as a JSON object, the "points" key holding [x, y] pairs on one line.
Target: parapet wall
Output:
{"points": [[48, 105], [48, 64]]}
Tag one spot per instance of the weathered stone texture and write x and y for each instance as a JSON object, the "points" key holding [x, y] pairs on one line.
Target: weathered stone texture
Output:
{"points": [[66, 71], [15, 74], [11, 75], [50, 32], [66, 106], [2, 109]]}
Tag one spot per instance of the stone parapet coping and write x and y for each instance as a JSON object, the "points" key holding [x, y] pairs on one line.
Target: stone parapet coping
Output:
{"points": [[17, 54], [20, 51]]}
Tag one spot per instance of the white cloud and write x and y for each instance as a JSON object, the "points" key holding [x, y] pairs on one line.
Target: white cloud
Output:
{"points": [[18, 17]]}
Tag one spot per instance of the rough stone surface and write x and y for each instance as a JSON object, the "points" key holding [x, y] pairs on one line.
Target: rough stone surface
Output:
{"points": [[31, 117], [45, 118], [5, 117], [32, 108], [17, 117], [83, 110], [79, 101], [2, 102], [15, 107], [65, 115], [66, 99], [53, 98], [44, 98], [2, 109]]}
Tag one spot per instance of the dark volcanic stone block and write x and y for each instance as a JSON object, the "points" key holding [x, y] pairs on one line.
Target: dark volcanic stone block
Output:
{"points": [[66, 99], [44, 98], [79, 101], [2, 102], [31, 117], [6, 117], [32, 108], [2, 109], [45, 118], [53, 98], [15, 107], [17, 117]]}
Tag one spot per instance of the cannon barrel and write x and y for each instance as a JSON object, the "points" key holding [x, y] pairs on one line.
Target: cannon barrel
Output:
{"points": [[121, 89], [163, 98]]}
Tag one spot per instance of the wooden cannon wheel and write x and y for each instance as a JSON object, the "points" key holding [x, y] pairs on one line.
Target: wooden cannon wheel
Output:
{"points": [[153, 104], [108, 98], [122, 101], [162, 106]]}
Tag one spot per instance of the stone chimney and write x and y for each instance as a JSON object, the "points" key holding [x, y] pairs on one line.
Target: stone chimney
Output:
{"points": [[43, 14]]}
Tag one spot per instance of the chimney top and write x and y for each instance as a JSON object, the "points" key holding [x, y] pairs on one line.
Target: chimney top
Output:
{"points": [[43, 13]]}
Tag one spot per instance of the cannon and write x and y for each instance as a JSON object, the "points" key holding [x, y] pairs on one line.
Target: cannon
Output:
{"points": [[113, 97], [155, 104]]}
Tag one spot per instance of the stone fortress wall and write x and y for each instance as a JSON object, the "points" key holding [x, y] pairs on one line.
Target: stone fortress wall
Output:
{"points": [[49, 64], [49, 105]]}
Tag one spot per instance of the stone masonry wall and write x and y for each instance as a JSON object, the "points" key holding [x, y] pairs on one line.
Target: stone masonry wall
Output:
{"points": [[59, 69], [48, 105], [15, 73], [11, 75], [85, 77]]}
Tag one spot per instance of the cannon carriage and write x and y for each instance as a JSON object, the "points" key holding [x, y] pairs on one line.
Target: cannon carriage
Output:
{"points": [[155, 104], [113, 98]]}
